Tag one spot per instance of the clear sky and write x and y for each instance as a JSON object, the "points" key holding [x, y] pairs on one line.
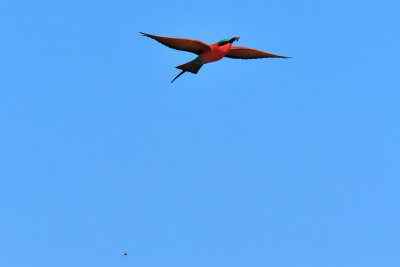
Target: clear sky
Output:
{"points": [[267, 162]]}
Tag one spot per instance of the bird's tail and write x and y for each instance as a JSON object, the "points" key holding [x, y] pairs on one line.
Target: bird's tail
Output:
{"points": [[192, 66], [182, 72]]}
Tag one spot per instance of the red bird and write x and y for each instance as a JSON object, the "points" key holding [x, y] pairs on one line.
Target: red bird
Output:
{"points": [[208, 53]]}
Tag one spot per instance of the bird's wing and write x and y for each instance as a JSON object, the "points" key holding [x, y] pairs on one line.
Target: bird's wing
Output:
{"points": [[249, 53], [188, 45]]}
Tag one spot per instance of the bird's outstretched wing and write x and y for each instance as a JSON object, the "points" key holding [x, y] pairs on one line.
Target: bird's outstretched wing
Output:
{"points": [[183, 44], [249, 53]]}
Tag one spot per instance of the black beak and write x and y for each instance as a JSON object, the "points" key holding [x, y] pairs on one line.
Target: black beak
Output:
{"points": [[234, 39]]}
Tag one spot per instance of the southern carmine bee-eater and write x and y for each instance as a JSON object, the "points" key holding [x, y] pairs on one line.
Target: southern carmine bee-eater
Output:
{"points": [[208, 53]]}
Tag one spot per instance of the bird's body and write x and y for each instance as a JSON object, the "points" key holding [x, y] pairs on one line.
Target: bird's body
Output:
{"points": [[209, 53], [216, 52]]}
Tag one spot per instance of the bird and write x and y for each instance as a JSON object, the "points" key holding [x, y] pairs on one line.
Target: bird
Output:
{"points": [[208, 53]]}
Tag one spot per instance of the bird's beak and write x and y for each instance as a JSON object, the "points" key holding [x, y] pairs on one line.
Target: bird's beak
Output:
{"points": [[234, 39]]}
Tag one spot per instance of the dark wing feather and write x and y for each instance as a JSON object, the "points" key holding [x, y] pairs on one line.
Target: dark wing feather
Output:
{"points": [[183, 44], [249, 53]]}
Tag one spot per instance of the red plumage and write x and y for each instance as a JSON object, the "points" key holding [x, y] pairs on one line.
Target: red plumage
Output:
{"points": [[209, 53]]}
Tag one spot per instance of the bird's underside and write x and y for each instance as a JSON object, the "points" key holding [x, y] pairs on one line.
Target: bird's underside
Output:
{"points": [[201, 49]]}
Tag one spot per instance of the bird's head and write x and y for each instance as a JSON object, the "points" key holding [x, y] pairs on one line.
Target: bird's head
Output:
{"points": [[227, 41]]}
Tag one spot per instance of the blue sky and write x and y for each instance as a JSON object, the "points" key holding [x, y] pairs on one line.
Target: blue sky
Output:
{"points": [[264, 162]]}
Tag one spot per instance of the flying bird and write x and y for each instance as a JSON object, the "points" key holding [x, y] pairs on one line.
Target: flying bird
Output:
{"points": [[208, 53]]}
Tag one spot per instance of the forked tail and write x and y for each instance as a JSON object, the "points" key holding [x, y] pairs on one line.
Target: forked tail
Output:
{"points": [[192, 66]]}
